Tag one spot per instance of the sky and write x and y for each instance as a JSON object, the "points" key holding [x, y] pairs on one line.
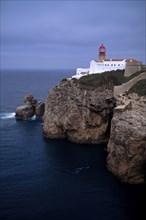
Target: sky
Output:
{"points": [[67, 34]]}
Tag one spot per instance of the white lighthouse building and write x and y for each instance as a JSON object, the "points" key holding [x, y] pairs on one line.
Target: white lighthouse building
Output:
{"points": [[102, 65]]}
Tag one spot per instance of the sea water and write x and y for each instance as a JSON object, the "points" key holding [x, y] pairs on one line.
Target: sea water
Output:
{"points": [[44, 179]]}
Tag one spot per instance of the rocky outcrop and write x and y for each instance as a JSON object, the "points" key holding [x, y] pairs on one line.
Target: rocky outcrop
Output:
{"points": [[24, 112], [79, 113], [86, 112], [39, 109], [32, 107], [127, 143]]}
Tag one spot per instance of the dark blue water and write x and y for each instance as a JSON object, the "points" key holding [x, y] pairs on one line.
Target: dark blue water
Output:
{"points": [[55, 179]]}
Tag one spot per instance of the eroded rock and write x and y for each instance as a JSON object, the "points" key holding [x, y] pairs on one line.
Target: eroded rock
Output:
{"points": [[24, 112], [79, 113], [32, 107], [127, 143], [39, 109]]}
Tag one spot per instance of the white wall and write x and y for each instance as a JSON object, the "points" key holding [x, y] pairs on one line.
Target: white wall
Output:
{"points": [[99, 67], [82, 71]]}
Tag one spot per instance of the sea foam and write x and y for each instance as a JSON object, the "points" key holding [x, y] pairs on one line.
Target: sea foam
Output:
{"points": [[12, 115], [7, 115]]}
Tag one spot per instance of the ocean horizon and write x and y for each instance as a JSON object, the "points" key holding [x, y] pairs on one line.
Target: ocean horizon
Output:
{"points": [[45, 179]]}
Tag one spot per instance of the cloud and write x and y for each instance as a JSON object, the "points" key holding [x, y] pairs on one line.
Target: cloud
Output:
{"points": [[71, 29]]}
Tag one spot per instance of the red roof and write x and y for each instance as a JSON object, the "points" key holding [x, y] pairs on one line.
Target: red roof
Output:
{"points": [[102, 46], [131, 60], [127, 60]]}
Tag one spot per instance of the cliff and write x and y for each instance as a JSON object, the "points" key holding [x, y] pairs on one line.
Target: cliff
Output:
{"points": [[127, 144], [86, 111], [80, 113]]}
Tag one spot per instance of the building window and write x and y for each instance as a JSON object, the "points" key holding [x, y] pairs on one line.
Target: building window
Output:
{"points": [[118, 64]]}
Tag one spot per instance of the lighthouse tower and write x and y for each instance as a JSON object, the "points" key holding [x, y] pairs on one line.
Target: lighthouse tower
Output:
{"points": [[102, 51]]}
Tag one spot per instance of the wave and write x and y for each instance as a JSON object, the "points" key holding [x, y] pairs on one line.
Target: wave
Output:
{"points": [[7, 115], [33, 118], [10, 115]]}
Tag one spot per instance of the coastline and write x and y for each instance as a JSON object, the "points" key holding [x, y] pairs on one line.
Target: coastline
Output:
{"points": [[86, 114]]}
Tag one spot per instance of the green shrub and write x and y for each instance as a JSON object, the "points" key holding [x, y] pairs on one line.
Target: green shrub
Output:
{"points": [[115, 77], [64, 80], [100, 79], [126, 79], [139, 88]]}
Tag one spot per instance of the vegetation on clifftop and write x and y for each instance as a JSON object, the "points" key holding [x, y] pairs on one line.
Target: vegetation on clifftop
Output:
{"points": [[114, 77], [139, 88], [94, 80]]}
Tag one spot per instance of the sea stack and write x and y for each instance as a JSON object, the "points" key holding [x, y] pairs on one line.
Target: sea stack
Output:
{"points": [[32, 107]]}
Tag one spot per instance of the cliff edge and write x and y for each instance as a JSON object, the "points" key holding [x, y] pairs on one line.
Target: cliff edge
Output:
{"points": [[80, 113]]}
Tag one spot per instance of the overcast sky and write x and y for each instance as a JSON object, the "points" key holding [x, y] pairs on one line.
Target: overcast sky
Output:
{"points": [[67, 34]]}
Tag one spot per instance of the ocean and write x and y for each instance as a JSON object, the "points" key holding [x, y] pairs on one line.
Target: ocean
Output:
{"points": [[43, 179]]}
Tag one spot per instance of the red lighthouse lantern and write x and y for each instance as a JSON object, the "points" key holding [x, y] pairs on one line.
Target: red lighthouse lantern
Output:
{"points": [[102, 52]]}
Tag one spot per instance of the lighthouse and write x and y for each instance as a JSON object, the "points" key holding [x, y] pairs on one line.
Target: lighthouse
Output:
{"points": [[102, 54], [103, 65]]}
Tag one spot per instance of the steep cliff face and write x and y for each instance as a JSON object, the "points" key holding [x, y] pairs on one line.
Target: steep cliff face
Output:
{"points": [[79, 113], [90, 114], [127, 143]]}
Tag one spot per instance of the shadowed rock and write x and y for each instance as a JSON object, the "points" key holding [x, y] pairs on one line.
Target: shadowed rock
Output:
{"points": [[39, 109]]}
